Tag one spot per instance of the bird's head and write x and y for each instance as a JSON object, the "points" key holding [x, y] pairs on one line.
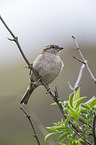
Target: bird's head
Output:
{"points": [[53, 49]]}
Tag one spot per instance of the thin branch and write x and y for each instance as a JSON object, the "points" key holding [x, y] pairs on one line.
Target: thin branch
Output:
{"points": [[70, 86], [7, 27], [86, 141], [77, 130], [79, 76], [81, 120], [30, 121], [41, 126], [84, 61], [76, 86], [94, 128], [15, 39], [79, 60]]}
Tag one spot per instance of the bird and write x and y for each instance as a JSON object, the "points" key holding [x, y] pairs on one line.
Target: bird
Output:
{"points": [[48, 65]]}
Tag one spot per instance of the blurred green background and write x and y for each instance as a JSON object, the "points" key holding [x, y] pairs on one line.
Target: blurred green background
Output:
{"points": [[38, 23]]}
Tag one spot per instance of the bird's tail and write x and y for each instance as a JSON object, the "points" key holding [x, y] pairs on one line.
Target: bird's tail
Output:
{"points": [[27, 95]]}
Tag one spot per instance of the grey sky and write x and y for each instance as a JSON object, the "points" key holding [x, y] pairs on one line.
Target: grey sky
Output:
{"points": [[38, 23]]}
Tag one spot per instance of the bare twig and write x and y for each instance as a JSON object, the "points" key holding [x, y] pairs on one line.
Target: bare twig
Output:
{"points": [[83, 59], [86, 141], [79, 76], [70, 86], [76, 86], [79, 60], [41, 126], [28, 117], [94, 128], [15, 39]]}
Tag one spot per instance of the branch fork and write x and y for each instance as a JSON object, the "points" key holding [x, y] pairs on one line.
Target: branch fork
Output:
{"points": [[84, 61]]}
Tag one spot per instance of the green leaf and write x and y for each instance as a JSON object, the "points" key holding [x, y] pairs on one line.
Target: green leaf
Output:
{"points": [[79, 101], [58, 127], [71, 99], [86, 106], [66, 121], [94, 107], [66, 104], [50, 128], [90, 120], [90, 114], [73, 137], [78, 114], [72, 112], [62, 135], [49, 135], [78, 93], [92, 102], [84, 111], [54, 104], [79, 141], [70, 143], [68, 115], [83, 117], [61, 143]]}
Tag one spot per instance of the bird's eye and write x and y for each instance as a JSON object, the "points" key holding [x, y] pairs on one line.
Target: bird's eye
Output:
{"points": [[52, 47]]}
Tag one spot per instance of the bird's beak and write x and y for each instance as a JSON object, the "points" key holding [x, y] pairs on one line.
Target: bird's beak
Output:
{"points": [[60, 48]]}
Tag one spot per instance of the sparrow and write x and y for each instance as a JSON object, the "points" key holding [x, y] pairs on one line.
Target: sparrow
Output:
{"points": [[48, 65]]}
